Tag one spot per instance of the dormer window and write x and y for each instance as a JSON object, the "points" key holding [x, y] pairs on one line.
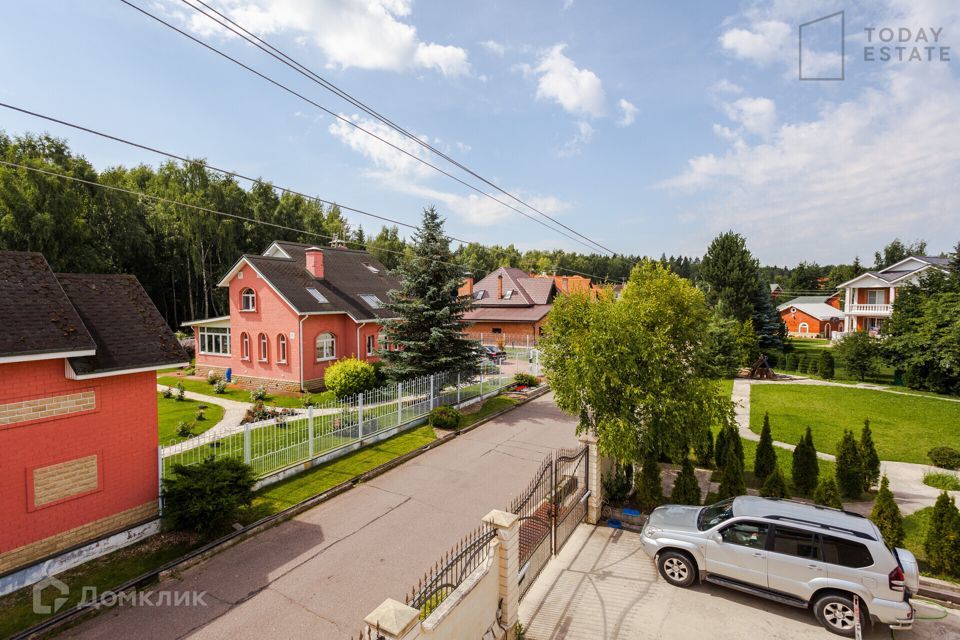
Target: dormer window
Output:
{"points": [[317, 295], [248, 300], [372, 300]]}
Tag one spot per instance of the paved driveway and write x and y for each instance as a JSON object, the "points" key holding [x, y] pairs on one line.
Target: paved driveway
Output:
{"points": [[602, 585], [318, 575]]}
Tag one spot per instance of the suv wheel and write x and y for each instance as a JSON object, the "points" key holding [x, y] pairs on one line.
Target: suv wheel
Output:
{"points": [[835, 613], [677, 568]]}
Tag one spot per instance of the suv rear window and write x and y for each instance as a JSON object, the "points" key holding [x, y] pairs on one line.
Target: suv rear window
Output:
{"points": [[845, 553]]}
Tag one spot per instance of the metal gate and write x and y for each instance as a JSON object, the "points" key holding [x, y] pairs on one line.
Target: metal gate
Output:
{"points": [[550, 509]]}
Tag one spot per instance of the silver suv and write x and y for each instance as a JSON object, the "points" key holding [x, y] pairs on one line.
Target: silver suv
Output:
{"points": [[794, 553]]}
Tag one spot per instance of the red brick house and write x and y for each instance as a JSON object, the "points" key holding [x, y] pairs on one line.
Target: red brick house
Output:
{"points": [[78, 409], [509, 300], [293, 311], [812, 316]]}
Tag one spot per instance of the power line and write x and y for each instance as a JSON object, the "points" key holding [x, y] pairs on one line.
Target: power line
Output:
{"points": [[348, 121], [237, 29]]}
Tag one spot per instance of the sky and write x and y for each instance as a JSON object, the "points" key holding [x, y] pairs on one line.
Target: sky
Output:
{"points": [[647, 127]]}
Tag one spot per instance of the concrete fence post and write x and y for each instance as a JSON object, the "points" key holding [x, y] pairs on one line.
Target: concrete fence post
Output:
{"points": [[393, 620], [246, 443], [310, 431], [594, 478], [508, 566]]}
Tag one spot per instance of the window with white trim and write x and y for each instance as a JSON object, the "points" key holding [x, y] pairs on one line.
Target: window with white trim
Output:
{"points": [[804, 328], [508, 294], [372, 300], [371, 345], [214, 341], [264, 346], [244, 346], [875, 296], [248, 300], [370, 267], [282, 348], [326, 345]]}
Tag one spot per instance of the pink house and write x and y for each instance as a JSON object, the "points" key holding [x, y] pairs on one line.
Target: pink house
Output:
{"points": [[293, 311], [78, 412]]}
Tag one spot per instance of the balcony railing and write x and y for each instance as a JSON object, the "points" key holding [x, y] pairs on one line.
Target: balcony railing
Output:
{"points": [[880, 309]]}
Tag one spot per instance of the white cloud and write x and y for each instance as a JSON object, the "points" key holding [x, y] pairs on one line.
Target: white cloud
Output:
{"points": [[755, 115], [628, 113], [367, 34], [725, 86], [583, 137], [578, 91], [567, 4], [763, 43], [398, 171], [496, 48]]}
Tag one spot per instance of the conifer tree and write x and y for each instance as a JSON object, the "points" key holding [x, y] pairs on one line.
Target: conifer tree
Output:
{"points": [[806, 467], [849, 467], [942, 544], [686, 489], [886, 515], [775, 486], [731, 468], [648, 490], [869, 457], [827, 493], [766, 458], [428, 334]]}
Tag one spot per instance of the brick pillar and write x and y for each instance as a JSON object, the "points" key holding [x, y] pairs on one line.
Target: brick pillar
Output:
{"points": [[394, 620], [508, 566], [594, 478]]}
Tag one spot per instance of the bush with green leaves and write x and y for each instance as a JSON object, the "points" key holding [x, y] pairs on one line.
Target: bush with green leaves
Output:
{"points": [[207, 496], [827, 493], [259, 394], [802, 363], [813, 366], [886, 515], [184, 429], [942, 543], [827, 365], [648, 488], [220, 386], [616, 485], [213, 376], [945, 457], [308, 400], [849, 467], [200, 415], [525, 380], [181, 391], [168, 393], [766, 458], [704, 449], [793, 362], [869, 458], [775, 486], [444, 417], [805, 469], [859, 354], [686, 488], [349, 377]]}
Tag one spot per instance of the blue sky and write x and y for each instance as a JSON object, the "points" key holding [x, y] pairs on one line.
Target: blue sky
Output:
{"points": [[649, 127]]}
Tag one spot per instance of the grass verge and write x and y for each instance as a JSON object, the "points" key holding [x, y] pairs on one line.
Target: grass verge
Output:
{"points": [[172, 412], [240, 395], [942, 481], [488, 408]]}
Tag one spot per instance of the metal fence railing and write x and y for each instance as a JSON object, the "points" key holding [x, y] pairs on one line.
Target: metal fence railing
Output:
{"points": [[273, 445]]}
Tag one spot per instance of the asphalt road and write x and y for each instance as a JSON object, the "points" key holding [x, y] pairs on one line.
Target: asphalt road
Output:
{"points": [[318, 575]]}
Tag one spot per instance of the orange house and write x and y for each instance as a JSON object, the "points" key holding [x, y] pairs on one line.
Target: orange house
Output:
{"points": [[295, 310], [509, 300], [812, 316], [78, 415]]}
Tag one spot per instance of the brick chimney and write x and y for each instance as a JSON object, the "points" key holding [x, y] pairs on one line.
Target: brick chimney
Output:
{"points": [[500, 287], [466, 289], [315, 262]]}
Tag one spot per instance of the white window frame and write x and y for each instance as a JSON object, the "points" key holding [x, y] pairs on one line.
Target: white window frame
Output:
{"points": [[213, 341], [803, 327], [877, 295], [328, 343], [245, 346], [372, 300], [478, 294], [319, 297], [248, 294], [371, 344], [264, 348], [282, 349]]}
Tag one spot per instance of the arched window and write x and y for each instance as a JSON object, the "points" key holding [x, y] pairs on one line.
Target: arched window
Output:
{"points": [[281, 348], [263, 347], [804, 328], [248, 300], [244, 346], [326, 347]]}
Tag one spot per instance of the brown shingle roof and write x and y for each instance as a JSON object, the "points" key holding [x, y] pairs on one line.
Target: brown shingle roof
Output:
{"points": [[532, 313], [129, 331], [36, 314], [527, 291]]}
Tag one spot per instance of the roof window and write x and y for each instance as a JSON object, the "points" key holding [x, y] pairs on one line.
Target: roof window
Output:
{"points": [[372, 300], [317, 295]]}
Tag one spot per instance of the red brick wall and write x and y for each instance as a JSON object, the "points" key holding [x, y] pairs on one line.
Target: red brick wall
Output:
{"points": [[121, 431], [815, 326]]}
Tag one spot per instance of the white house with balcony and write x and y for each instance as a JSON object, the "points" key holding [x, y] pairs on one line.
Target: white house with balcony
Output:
{"points": [[868, 299]]}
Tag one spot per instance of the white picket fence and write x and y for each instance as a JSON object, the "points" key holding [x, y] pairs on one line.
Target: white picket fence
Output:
{"points": [[273, 445]]}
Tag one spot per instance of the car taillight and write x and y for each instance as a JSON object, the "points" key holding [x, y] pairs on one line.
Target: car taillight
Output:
{"points": [[896, 579]]}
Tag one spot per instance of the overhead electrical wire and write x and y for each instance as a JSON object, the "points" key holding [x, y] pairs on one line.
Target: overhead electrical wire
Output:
{"points": [[349, 122], [227, 23]]}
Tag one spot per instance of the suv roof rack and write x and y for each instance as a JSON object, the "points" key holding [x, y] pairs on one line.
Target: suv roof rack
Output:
{"points": [[820, 525], [819, 506]]}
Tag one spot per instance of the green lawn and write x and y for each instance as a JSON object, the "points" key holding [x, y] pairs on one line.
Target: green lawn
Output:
{"points": [[813, 347], [904, 428], [240, 395], [490, 406], [172, 412]]}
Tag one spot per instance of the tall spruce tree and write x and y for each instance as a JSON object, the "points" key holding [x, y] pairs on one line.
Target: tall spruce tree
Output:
{"points": [[869, 457], [766, 458], [806, 466], [886, 515], [849, 467], [731, 273], [428, 334]]}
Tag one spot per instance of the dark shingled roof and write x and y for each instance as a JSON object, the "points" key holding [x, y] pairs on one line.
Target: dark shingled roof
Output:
{"points": [[36, 314], [346, 277], [129, 331]]}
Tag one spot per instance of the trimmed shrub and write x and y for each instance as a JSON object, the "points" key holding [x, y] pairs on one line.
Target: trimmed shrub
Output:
{"points": [[827, 365], [525, 380], [806, 467], [869, 458], [886, 515], [942, 544], [168, 393], [686, 489], [704, 449], [766, 458], [775, 486], [849, 467], [350, 376], [648, 489], [731, 466], [444, 417], [945, 457], [259, 394], [793, 362], [181, 391], [616, 485], [828, 494], [802, 363], [213, 377], [813, 365], [220, 386], [201, 416], [184, 429], [206, 496]]}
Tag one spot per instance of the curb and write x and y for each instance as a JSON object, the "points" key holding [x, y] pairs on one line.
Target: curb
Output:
{"points": [[201, 554], [939, 590]]}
